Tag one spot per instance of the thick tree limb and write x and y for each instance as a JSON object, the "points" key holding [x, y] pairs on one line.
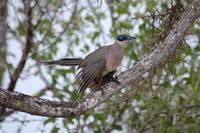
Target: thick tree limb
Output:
{"points": [[30, 29], [37, 106]]}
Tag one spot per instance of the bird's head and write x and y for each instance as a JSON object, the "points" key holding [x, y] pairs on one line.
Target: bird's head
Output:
{"points": [[123, 38]]}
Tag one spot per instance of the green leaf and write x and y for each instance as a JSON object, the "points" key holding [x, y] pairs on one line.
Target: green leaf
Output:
{"points": [[95, 35], [89, 18], [49, 120], [41, 93], [60, 72], [100, 116], [126, 25], [122, 10], [134, 56], [116, 127], [68, 121], [55, 130], [150, 5], [98, 130], [21, 29], [71, 70], [86, 115], [74, 95], [86, 48]]}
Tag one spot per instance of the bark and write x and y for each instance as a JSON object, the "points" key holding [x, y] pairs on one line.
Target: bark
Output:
{"points": [[42, 107]]}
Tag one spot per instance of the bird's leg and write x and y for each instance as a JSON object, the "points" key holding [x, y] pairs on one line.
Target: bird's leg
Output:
{"points": [[109, 78], [96, 82], [116, 80], [110, 74], [100, 81]]}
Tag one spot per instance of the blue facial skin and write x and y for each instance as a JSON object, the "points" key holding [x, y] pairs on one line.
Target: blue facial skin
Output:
{"points": [[124, 37]]}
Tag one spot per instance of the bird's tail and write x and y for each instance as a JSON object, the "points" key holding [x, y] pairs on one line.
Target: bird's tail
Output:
{"points": [[65, 62]]}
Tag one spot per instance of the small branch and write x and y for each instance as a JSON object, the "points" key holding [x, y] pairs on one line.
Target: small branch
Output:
{"points": [[65, 27], [3, 15], [3, 28], [141, 130], [42, 107], [27, 48], [6, 114], [14, 77]]}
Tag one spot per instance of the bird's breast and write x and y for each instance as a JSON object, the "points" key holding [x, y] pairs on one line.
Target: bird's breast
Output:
{"points": [[114, 58]]}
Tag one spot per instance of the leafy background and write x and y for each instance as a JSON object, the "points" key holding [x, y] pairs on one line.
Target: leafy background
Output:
{"points": [[164, 100]]}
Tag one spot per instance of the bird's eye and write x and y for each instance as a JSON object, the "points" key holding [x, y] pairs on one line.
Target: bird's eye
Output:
{"points": [[123, 37]]}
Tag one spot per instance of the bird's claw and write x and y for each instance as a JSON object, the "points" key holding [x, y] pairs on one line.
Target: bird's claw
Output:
{"points": [[115, 79]]}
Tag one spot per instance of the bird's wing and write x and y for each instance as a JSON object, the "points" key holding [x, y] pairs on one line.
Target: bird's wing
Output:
{"points": [[98, 54], [88, 73]]}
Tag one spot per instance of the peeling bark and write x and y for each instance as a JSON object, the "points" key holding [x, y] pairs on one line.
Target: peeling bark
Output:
{"points": [[42, 107]]}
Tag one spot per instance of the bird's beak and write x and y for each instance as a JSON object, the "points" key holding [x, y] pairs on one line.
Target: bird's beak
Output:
{"points": [[131, 38]]}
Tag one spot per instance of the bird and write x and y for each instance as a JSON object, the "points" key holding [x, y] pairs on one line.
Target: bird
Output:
{"points": [[97, 68]]}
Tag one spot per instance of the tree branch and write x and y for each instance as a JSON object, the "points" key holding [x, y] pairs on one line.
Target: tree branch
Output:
{"points": [[3, 28], [3, 14], [27, 48], [37, 106], [14, 77]]}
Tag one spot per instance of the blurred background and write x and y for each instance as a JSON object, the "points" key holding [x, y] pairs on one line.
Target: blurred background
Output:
{"points": [[165, 100]]}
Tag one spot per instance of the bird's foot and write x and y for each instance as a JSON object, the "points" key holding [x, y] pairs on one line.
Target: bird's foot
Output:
{"points": [[115, 79]]}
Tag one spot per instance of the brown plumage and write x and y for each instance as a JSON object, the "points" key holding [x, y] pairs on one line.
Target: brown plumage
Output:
{"points": [[95, 69]]}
